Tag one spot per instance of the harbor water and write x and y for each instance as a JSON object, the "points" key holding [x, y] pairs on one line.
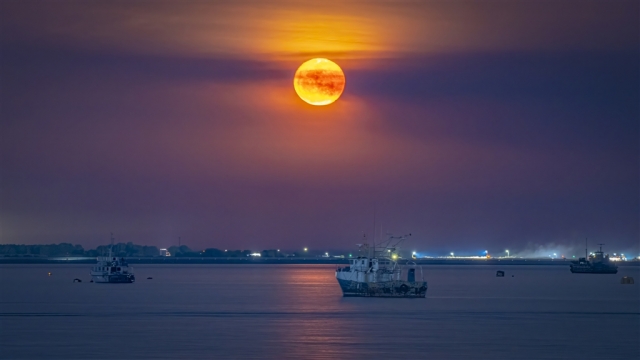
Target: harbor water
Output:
{"points": [[298, 312]]}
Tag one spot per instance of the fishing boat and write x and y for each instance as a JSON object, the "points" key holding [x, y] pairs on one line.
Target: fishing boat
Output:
{"points": [[379, 272], [597, 263], [111, 269]]}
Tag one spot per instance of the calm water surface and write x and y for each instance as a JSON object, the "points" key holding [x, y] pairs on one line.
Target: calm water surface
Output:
{"points": [[298, 312]]}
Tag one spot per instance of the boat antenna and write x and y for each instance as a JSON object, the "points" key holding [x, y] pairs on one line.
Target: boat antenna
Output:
{"points": [[586, 246]]}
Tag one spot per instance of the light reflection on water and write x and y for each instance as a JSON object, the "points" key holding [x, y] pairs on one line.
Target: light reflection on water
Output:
{"points": [[297, 311]]}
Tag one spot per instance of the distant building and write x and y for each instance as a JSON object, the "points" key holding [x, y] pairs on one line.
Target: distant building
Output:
{"points": [[164, 252]]}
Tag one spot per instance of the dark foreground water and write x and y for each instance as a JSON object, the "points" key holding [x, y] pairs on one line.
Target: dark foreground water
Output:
{"points": [[297, 312]]}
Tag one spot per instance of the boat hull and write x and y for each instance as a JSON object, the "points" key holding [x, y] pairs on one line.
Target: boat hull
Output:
{"points": [[389, 289], [113, 279], [584, 270]]}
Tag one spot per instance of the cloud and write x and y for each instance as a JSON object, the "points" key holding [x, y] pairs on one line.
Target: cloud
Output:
{"points": [[289, 28], [114, 120]]}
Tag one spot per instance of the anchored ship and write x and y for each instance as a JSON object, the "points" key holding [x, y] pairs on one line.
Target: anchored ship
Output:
{"points": [[595, 264], [376, 272], [111, 269]]}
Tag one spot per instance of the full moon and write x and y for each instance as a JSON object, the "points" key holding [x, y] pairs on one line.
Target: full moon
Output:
{"points": [[319, 81]]}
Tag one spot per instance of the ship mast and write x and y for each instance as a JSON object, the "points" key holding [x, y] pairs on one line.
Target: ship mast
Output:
{"points": [[586, 254], [111, 247], [373, 238]]}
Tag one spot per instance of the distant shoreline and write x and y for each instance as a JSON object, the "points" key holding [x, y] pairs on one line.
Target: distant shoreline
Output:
{"points": [[288, 260]]}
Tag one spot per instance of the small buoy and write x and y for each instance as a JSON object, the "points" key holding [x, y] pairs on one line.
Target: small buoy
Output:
{"points": [[626, 280], [149, 278], [77, 280], [91, 281], [512, 275], [500, 273], [49, 274]]}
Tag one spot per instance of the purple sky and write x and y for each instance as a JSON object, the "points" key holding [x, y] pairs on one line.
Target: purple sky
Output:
{"points": [[471, 125]]}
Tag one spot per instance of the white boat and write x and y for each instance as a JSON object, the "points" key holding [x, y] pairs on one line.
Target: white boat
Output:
{"points": [[377, 272], [111, 269]]}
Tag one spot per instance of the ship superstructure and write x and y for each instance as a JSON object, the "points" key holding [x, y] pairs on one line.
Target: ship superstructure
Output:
{"points": [[378, 272], [597, 263], [111, 269]]}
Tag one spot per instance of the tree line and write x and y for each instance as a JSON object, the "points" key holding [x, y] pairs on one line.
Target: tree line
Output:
{"points": [[123, 250]]}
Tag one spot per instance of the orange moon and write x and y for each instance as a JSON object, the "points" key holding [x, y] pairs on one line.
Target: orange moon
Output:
{"points": [[319, 81]]}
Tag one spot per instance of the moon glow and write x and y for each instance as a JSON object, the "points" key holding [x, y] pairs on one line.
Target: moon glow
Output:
{"points": [[319, 81]]}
